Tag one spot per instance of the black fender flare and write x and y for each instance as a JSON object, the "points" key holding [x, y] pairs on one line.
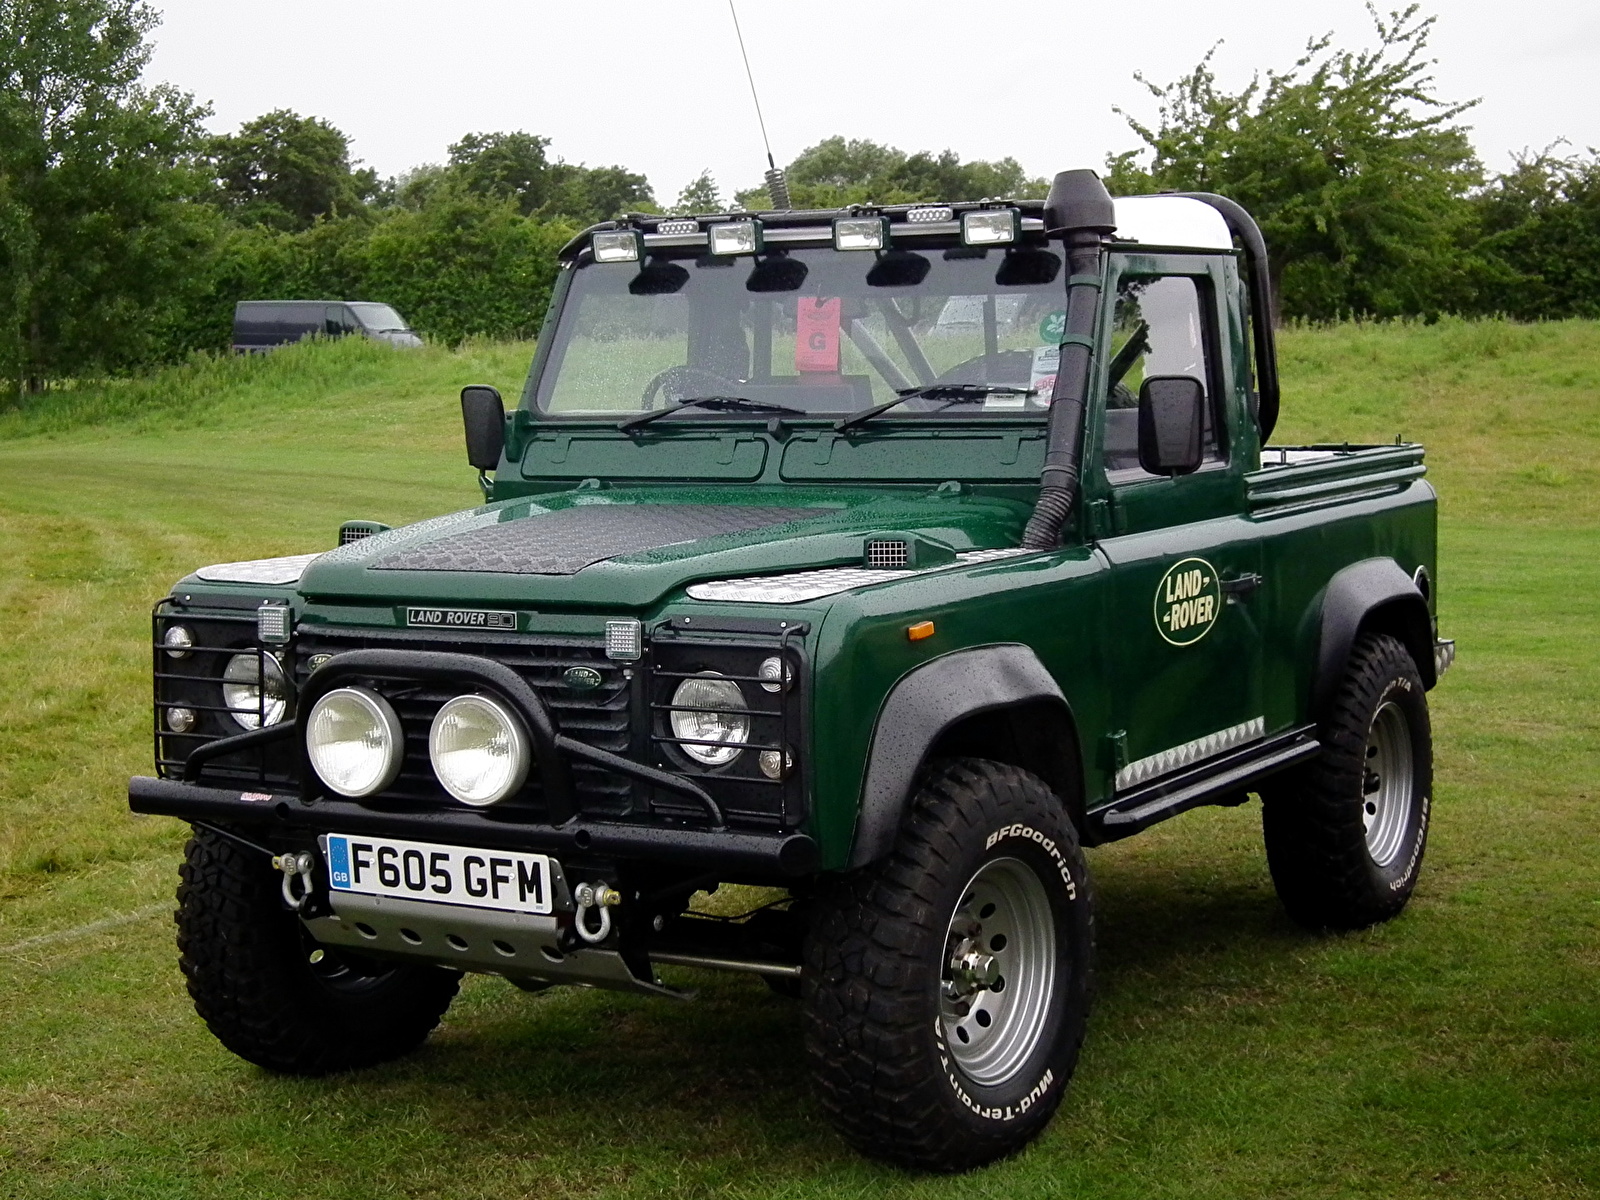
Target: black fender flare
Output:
{"points": [[1376, 592], [925, 703]]}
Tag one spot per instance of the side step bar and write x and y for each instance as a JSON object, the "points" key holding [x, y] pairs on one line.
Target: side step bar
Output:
{"points": [[1212, 782]]}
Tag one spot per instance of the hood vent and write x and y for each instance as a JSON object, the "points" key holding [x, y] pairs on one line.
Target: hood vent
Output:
{"points": [[886, 554], [896, 551], [355, 531]]}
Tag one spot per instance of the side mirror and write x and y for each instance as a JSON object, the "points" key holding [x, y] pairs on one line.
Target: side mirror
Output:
{"points": [[1171, 420], [484, 414]]}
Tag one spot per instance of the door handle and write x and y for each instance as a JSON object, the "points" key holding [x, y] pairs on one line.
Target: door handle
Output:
{"points": [[1238, 588]]}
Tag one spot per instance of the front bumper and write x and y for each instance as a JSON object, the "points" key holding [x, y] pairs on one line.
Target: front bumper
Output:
{"points": [[737, 854]]}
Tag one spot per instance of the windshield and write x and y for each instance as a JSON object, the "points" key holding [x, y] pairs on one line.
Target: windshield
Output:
{"points": [[816, 330], [379, 318]]}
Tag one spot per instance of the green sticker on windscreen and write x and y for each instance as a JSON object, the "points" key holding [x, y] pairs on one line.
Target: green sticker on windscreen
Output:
{"points": [[1053, 327]]}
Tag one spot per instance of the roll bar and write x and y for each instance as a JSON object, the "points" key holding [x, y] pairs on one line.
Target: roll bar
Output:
{"points": [[1243, 226]]}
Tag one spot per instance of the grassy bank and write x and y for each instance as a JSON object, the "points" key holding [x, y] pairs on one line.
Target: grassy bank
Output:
{"points": [[1451, 1053]]}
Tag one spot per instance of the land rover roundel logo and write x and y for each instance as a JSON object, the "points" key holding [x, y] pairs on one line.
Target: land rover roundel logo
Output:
{"points": [[581, 679], [1188, 599]]}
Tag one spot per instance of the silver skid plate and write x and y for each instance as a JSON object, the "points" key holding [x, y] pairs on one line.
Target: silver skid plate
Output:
{"points": [[517, 945]]}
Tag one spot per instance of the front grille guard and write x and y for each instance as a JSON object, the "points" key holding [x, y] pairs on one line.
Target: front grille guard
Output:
{"points": [[212, 653], [553, 751], [671, 659]]}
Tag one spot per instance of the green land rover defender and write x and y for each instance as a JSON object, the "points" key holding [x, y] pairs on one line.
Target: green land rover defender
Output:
{"points": [[887, 556]]}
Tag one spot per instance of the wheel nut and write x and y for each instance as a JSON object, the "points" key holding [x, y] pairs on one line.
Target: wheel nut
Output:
{"points": [[978, 969]]}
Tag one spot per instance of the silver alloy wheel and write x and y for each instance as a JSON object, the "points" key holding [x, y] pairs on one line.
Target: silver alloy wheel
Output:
{"points": [[999, 972], [1388, 784]]}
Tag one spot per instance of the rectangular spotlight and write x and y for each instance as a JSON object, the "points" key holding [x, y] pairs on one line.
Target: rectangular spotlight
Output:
{"points": [[860, 233], [735, 237], [990, 226], [618, 245]]}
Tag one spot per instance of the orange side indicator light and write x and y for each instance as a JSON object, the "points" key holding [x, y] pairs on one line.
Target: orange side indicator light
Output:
{"points": [[922, 629]]}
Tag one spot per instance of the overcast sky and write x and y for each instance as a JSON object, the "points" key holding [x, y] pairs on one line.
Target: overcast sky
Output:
{"points": [[658, 87]]}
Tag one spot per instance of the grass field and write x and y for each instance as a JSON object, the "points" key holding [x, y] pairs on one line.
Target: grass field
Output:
{"points": [[1452, 1053]]}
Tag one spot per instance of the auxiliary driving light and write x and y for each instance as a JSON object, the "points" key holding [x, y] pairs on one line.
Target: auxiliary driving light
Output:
{"points": [[711, 719], [860, 233], [624, 640], [618, 245], [272, 623], [354, 741], [479, 750], [735, 237], [990, 226]]}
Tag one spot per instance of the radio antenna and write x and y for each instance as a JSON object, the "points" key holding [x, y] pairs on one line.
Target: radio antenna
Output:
{"points": [[777, 183]]}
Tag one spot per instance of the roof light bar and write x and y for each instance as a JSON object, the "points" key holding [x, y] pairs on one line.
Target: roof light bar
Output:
{"points": [[619, 245], [735, 237], [990, 226], [860, 233], [930, 215], [678, 227]]}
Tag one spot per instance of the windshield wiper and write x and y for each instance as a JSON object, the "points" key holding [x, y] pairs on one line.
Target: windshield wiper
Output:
{"points": [[720, 403], [950, 393]]}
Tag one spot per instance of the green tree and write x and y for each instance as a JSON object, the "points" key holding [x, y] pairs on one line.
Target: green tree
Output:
{"points": [[100, 243], [515, 166], [1541, 238], [464, 265], [285, 171], [699, 195], [839, 171], [1357, 172]]}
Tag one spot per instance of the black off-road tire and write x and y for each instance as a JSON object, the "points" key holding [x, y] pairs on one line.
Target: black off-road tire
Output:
{"points": [[1376, 767], [878, 958], [247, 960]]}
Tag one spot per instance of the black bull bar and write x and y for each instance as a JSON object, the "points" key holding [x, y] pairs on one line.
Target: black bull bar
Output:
{"points": [[313, 810]]}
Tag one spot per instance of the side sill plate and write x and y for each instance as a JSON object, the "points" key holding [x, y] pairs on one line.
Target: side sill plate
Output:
{"points": [[1189, 753]]}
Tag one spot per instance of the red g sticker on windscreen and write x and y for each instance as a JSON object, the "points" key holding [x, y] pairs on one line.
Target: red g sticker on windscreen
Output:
{"points": [[816, 340]]}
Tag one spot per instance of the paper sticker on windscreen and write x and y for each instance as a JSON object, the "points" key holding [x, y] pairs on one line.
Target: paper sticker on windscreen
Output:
{"points": [[816, 340]]}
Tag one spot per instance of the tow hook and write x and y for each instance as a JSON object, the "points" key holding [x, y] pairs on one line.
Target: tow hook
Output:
{"points": [[295, 866], [600, 896]]}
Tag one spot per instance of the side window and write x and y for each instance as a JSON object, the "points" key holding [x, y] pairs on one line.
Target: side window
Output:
{"points": [[1159, 328]]}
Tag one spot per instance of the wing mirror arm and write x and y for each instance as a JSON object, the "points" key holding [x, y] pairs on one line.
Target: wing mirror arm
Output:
{"points": [[483, 414], [1171, 424]]}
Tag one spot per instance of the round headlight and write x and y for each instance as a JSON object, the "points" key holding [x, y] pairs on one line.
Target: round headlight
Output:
{"points": [[479, 750], [241, 690], [718, 714], [354, 741], [178, 641]]}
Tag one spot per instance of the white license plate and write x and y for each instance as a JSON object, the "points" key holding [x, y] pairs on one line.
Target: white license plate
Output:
{"points": [[503, 879]]}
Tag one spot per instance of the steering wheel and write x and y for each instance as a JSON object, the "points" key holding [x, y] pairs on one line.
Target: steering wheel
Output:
{"points": [[679, 382]]}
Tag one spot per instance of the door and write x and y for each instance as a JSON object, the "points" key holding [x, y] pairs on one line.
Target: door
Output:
{"points": [[1186, 650]]}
